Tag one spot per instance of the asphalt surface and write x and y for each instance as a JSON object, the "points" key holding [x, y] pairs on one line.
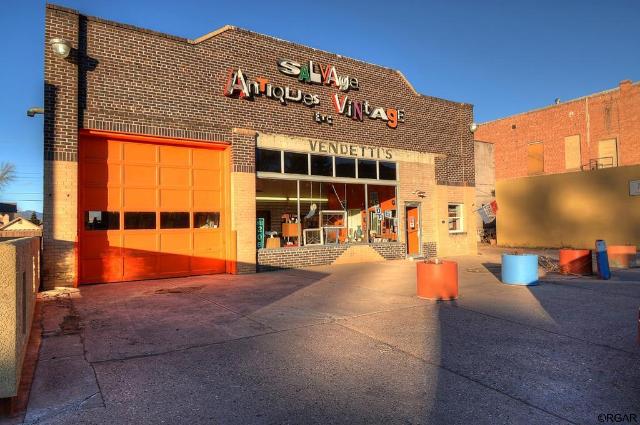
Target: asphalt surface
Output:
{"points": [[343, 344]]}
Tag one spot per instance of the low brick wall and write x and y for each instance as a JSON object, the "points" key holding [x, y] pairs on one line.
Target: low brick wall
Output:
{"points": [[306, 256], [19, 284]]}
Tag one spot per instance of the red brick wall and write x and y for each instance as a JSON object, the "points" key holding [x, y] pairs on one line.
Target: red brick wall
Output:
{"points": [[611, 114], [140, 81]]}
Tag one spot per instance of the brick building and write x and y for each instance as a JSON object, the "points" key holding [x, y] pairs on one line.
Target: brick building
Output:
{"points": [[239, 152], [595, 131], [565, 174]]}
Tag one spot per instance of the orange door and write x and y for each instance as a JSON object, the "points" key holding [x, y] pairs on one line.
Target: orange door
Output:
{"points": [[149, 210], [413, 231]]}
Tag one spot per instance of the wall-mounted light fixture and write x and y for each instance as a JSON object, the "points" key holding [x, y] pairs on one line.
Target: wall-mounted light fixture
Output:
{"points": [[60, 47], [31, 112], [473, 127]]}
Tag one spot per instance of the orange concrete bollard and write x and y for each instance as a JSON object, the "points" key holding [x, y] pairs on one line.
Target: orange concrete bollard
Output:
{"points": [[622, 256], [575, 261], [437, 281]]}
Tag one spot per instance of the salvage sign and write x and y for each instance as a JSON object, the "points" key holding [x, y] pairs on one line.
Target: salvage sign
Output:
{"points": [[238, 85]]}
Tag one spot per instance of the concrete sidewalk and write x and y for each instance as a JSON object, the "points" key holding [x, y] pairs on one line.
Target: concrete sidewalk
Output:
{"points": [[342, 344]]}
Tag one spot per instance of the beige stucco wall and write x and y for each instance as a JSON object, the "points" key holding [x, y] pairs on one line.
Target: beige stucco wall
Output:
{"points": [[570, 209], [19, 283]]}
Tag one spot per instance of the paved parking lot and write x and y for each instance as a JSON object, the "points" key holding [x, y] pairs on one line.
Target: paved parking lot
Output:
{"points": [[343, 344]]}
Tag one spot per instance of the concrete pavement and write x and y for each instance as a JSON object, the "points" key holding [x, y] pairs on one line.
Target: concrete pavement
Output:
{"points": [[341, 344]]}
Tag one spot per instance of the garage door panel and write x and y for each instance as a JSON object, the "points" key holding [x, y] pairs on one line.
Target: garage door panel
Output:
{"points": [[176, 242], [174, 155], [140, 267], [207, 179], [100, 149], [204, 265], [172, 264], [175, 199], [101, 244], [207, 159], [139, 243], [207, 241], [101, 269], [171, 176], [140, 175], [207, 200], [139, 199], [101, 174], [101, 198], [139, 153]]}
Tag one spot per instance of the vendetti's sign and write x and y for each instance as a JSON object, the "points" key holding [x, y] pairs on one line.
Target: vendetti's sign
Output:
{"points": [[348, 149], [239, 85]]}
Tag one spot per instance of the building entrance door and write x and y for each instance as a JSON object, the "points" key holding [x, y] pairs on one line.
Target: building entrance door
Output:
{"points": [[413, 230]]}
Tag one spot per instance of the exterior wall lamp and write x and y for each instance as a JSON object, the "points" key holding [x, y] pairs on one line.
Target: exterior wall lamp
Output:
{"points": [[60, 47], [473, 127], [31, 112]]}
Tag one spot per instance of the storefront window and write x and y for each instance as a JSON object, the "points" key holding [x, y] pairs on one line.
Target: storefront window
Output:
{"points": [[277, 210], [321, 165], [324, 213], [296, 163], [268, 160], [367, 169], [387, 170], [383, 217], [345, 167]]}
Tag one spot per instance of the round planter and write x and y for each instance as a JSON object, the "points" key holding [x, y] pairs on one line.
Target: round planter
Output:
{"points": [[576, 261], [520, 269], [622, 256], [437, 281]]}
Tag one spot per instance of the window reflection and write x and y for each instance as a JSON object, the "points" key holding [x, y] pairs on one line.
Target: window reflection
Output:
{"points": [[206, 220], [101, 220]]}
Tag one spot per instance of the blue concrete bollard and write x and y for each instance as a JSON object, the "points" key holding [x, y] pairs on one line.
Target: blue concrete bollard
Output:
{"points": [[602, 259], [520, 269]]}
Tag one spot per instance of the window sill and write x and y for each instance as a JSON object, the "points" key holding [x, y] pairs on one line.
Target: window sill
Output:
{"points": [[462, 232]]}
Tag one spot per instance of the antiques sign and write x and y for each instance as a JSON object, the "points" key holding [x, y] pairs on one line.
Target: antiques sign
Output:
{"points": [[240, 86]]}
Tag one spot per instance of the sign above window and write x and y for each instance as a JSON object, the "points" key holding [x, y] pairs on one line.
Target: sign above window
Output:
{"points": [[239, 85]]}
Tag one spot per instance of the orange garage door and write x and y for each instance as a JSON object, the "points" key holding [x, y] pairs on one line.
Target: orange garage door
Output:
{"points": [[149, 210]]}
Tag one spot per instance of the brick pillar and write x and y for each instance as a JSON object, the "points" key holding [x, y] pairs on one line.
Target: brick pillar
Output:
{"points": [[60, 151], [243, 197]]}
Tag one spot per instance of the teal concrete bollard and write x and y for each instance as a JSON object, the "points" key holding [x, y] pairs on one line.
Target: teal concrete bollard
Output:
{"points": [[520, 269]]}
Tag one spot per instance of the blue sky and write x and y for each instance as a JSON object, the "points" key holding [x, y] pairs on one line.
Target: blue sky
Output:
{"points": [[502, 56]]}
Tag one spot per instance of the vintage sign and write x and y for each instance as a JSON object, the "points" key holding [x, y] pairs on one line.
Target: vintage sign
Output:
{"points": [[238, 85], [348, 149]]}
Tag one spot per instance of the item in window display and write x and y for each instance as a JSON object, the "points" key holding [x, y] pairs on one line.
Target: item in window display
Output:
{"points": [[260, 232], [373, 199], [312, 211]]}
